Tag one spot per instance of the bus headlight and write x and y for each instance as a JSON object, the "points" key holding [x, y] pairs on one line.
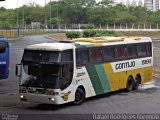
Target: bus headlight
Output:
{"points": [[22, 97], [52, 99]]}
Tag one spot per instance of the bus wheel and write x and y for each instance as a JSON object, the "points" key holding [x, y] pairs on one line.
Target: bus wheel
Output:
{"points": [[130, 84], [137, 82], [79, 97]]}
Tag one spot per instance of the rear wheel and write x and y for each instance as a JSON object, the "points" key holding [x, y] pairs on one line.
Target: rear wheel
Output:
{"points": [[137, 82], [130, 84], [79, 97]]}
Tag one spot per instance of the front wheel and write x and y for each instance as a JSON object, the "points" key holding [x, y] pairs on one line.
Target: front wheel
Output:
{"points": [[130, 84], [79, 97]]}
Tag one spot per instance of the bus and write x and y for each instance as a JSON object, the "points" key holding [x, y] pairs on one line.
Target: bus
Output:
{"points": [[70, 71], [4, 58]]}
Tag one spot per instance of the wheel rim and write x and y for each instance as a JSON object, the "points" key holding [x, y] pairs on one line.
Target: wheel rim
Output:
{"points": [[130, 84], [78, 97]]}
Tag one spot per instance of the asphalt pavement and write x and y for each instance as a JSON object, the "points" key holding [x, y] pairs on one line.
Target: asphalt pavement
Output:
{"points": [[143, 101]]}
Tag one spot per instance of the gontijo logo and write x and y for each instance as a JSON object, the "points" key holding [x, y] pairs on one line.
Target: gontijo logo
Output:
{"points": [[125, 65], [131, 64]]}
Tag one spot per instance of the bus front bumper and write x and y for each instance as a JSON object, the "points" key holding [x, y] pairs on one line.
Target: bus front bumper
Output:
{"points": [[41, 98]]}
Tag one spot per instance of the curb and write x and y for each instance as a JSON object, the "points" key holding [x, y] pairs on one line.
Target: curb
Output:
{"points": [[16, 38], [51, 38]]}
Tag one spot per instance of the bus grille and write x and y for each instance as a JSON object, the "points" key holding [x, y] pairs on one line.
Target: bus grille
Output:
{"points": [[2, 71], [37, 90]]}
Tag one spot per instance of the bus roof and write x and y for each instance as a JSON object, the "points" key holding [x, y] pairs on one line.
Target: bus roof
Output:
{"points": [[50, 46], [88, 42], [108, 41]]}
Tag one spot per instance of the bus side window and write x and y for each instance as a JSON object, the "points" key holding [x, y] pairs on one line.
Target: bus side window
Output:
{"points": [[108, 54], [149, 49], [79, 60], [2, 47], [120, 52], [99, 56], [131, 51], [85, 56], [92, 56], [142, 49], [95, 55]]}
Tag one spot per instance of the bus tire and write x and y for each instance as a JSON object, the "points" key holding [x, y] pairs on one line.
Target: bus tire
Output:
{"points": [[130, 84], [137, 82], [79, 97]]}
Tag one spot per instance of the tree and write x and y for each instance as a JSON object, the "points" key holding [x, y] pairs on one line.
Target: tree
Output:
{"points": [[82, 11], [140, 13], [101, 13], [154, 18], [74, 12], [125, 17]]}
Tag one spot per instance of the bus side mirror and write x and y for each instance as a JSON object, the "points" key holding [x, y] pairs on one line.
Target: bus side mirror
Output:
{"points": [[17, 70]]}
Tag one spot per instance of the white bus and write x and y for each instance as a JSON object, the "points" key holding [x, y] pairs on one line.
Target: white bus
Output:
{"points": [[70, 71]]}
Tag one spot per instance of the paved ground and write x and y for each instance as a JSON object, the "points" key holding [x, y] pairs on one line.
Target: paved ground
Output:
{"points": [[145, 100]]}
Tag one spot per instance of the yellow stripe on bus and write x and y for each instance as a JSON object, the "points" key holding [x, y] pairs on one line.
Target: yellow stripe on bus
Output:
{"points": [[118, 80]]}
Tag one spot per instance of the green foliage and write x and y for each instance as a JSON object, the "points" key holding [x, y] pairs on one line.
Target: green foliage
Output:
{"points": [[87, 26], [72, 35], [154, 18], [99, 33], [55, 21], [4, 25], [82, 11]]}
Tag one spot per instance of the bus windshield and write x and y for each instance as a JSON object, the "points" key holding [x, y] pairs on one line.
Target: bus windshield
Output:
{"points": [[47, 69], [41, 56], [41, 68], [40, 75], [2, 47]]}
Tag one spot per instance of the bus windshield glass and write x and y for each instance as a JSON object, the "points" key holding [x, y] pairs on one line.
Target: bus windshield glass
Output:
{"points": [[40, 75], [47, 69], [41, 69], [2, 47], [41, 56]]}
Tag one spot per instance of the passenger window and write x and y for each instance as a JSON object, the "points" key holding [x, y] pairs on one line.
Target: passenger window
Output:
{"points": [[95, 55], [92, 56], [85, 56], [142, 50], [120, 52], [79, 57], [149, 49], [109, 54], [132, 51], [2, 47]]}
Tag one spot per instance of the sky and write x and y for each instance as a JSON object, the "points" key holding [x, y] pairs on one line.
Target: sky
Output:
{"points": [[13, 3]]}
